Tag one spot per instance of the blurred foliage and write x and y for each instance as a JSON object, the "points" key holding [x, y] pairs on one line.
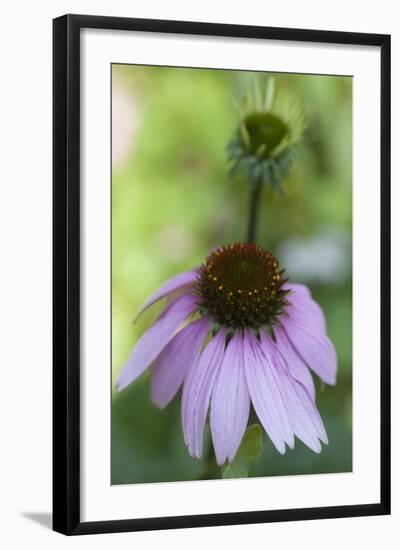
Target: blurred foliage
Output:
{"points": [[172, 201]]}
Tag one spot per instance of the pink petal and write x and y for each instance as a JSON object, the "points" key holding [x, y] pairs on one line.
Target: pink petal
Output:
{"points": [[196, 394], [303, 414], [314, 348], [230, 403], [303, 309], [175, 359], [295, 364], [305, 418], [155, 339], [181, 281], [266, 393]]}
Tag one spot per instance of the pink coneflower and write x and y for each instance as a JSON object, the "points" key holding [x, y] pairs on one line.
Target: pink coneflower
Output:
{"points": [[235, 332]]}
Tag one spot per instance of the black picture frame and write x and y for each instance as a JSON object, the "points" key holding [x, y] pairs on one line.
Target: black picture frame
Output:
{"points": [[66, 272]]}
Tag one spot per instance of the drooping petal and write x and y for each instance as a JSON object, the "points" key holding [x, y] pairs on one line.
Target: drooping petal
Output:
{"points": [[295, 364], [196, 394], [155, 339], [175, 360], [314, 348], [302, 411], [266, 393], [306, 420], [230, 402], [303, 309], [180, 281]]}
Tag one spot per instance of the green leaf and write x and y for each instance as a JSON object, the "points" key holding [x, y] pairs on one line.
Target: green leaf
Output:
{"points": [[250, 449]]}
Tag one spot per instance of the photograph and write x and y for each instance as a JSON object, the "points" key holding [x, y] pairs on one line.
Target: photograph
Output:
{"points": [[197, 222], [231, 274]]}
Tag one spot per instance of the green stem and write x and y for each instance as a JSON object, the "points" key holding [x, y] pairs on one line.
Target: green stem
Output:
{"points": [[209, 463], [255, 196]]}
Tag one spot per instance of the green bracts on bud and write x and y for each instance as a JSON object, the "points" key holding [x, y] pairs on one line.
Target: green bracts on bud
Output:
{"points": [[267, 136]]}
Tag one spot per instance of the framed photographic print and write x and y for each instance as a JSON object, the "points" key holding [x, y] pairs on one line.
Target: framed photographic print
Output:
{"points": [[221, 274]]}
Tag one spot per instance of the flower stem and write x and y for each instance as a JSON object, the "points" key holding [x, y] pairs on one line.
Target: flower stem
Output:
{"points": [[255, 195], [210, 466]]}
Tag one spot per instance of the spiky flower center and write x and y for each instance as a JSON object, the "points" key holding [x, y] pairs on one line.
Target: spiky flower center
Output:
{"points": [[240, 285], [265, 132]]}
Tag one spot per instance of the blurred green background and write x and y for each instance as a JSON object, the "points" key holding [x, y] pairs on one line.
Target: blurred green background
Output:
{"points": [[172, 201]]}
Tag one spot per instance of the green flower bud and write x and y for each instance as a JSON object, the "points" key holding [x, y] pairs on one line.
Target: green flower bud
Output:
{"points": [[267, 136]]}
